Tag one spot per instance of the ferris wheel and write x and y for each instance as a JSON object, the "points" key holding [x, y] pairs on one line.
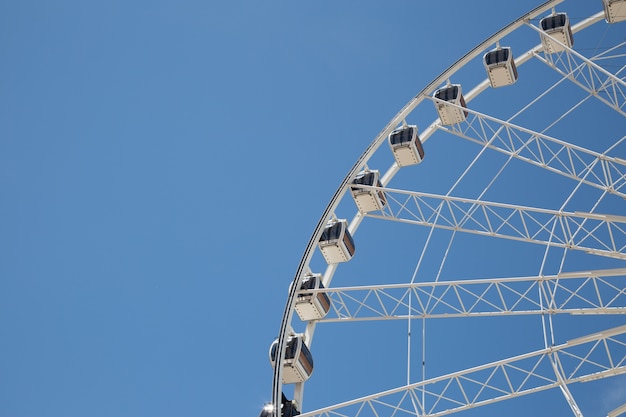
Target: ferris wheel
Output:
{"points": [[473, 260]]}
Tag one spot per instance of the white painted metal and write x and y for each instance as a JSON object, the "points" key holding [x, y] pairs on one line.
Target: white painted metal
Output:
{"points": [[500, 67], [451, 109], [477, 386], [406, 153], [557, 35], [337, 248], [602, 171], [297, 367], [585, 292], [574, 231], [570, 230], [367, 199], [312, 304], [618, 411], [614, 10], [588, 75], [485, 384]]}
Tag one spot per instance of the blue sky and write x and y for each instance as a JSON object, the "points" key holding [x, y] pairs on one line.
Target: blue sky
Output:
{"points": [[162, 167]]}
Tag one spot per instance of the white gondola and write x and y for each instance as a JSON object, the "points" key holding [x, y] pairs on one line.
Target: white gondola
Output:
{"points": [[406, 145], [298, 361], [336, 244], [287, 408], [556, 27], [500, 67], [614, 10], [366, 199], [450, 115], [312, 305]]}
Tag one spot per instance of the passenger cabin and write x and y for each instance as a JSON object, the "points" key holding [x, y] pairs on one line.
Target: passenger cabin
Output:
{"points": [[614, 10], [500, 67], [312, 305], [298, 361], [336, 243], [287, 408], [267, 410], [557, 32], [367, 199], [450, 115], [406, 146]]}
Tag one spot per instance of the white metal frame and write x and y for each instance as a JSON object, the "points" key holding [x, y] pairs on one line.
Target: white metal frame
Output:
{"points": [[605, 172], [601, 234], [584, 292], [526, 374], [551, 367]]}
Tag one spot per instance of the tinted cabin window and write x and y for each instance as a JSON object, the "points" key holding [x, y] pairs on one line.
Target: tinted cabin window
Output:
{"points": [[402, 136], [307, 354], [308, 283], [349, 242], [324, 299], [311, 283], [273, 352], [553, 22], [448, 94], [420, 149], [290, 351], [332, 232], [365, 179], [292, 347], [496, 57]]}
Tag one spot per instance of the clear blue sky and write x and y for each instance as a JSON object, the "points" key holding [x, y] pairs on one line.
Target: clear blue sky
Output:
{"points": [[162, 166]]}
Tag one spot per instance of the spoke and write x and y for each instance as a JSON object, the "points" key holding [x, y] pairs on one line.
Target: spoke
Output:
{"points": [[589, 292], [580, 360], [597, 170], [598, 234], [586, 74]]}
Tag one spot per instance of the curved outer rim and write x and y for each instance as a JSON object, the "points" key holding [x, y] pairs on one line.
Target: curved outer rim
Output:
{"points": [[367, 154]]}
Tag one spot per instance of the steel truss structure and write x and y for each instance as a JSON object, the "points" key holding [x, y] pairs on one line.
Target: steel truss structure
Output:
{"points": [[587, 75], [592, 357], [601, 234], [607, 173], [589, 292], [593, 292]]}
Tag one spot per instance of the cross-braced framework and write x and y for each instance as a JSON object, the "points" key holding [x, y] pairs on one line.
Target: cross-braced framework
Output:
{"points": [[601, 171], [587, 75], [592, 357], [581, 245], [589, 292], [600, 234]]}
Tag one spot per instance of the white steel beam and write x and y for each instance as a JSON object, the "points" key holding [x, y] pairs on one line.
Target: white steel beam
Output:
{"points": [[598, 170], [586, 292], [584, 359], [598, 234]]}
